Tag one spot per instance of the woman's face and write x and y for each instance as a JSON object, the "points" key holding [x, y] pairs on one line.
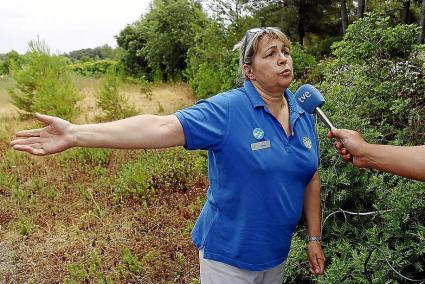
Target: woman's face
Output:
{"points": [[272, 65]]}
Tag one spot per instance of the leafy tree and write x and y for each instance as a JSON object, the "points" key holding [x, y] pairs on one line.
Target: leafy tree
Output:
{"points": [[298, 18], [43, 84], [212, 66], [163, 37], [228, 12], [132, 41]]}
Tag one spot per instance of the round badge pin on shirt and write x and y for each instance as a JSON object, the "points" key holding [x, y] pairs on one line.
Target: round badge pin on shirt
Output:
{"points": [[258, 133]]}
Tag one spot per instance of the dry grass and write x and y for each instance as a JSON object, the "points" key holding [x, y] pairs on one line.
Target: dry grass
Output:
{"points": [[54, 215], [7, 110], [163, 99]]}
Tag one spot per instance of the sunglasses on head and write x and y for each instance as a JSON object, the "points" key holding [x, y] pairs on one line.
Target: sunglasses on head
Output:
{"points": [[251, 33]]}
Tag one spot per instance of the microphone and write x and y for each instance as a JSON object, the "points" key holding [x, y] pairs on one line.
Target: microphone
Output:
{"points": [[310, 99]]}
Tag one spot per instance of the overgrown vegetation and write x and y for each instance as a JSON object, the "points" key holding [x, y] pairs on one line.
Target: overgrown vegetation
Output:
{"points": [[114, 105], [376, 85], [43, 84], [107, 216]]}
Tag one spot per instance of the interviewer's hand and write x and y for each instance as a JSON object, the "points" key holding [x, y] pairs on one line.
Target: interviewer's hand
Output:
{"points": [[316, 258], [353, 146], [52, 138]]}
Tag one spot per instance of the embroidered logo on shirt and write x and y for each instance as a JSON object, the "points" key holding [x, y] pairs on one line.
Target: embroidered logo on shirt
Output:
{"points": [[307, 142], [258, 133]]}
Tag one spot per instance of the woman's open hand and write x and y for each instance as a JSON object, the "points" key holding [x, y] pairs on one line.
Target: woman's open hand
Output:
{"points": [[52, 138]]}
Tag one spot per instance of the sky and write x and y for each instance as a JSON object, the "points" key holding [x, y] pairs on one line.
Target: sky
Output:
{"points": [[65, 25]]}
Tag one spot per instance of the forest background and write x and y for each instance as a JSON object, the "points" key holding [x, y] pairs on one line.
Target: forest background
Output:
{"points": [[113, 216]]}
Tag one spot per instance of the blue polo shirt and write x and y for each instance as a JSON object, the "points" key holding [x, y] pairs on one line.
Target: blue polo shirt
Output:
{"points": [[257, 176]]}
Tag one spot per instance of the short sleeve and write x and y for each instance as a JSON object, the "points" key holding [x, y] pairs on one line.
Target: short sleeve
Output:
{"points": [[205, 123]]}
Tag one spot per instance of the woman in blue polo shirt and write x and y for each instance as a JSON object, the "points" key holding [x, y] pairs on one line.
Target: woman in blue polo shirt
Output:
{"points": [[262, 164]]}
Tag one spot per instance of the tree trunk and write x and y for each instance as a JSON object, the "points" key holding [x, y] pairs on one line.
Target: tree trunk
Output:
{"points": [[405, 14], [344, 15], [360, 8], [422, 23], [301, 15]]}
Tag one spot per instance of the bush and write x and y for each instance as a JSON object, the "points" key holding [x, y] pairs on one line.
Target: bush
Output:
{"points": [[302, 61], [114, 105], [10, 60], [90, 68], [375, 84], [43, 84], [158, 171]]}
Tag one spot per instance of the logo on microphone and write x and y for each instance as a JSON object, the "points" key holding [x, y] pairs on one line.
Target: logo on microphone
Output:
{"points": [[307, 142], [304, 96]]}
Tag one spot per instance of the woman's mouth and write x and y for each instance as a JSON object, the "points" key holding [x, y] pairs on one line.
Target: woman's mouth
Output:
{"points": [[285, 72]]}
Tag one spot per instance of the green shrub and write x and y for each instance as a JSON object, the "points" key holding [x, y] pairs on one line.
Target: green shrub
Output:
{"points": [[43, 84], [9, 61], [91, 68], [302, 61], [89, 271], [114, 105], [375, 84], [157, 170]]}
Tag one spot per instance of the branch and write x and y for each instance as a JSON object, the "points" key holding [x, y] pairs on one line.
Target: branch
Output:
{"points": [[353, 213], [401, 275]]}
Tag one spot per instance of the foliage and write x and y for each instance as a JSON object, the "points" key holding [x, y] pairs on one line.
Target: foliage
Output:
{"points": [[10, 60], [131, 40], [114, 105], [375, 84], [104, 52], [212, 65], [89, 271], [158, 43], [90, 68], [302, 61], [43, 84], [299, 18], [165, 171]]}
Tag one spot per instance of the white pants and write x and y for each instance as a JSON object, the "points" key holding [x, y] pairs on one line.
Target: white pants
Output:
{"points": [[215, 272]]}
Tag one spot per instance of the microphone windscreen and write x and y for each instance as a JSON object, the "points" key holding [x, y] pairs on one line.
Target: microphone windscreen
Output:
{"points": [[309, 98]]}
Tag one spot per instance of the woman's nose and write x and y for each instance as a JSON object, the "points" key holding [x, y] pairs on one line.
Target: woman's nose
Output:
{"points": [[282, 58]]}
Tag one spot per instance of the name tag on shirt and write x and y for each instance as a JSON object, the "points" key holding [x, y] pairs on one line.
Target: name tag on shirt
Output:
{"points": [[260, 145]]}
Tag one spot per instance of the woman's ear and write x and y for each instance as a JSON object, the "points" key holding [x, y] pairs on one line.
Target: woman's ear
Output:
{"points": [[247, 69]]}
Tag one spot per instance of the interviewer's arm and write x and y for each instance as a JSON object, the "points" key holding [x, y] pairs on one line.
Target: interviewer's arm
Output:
{"points": [[406, 161]]}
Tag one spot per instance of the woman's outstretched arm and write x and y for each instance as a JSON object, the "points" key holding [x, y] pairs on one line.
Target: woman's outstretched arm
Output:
{"points": [[137, 132]]}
